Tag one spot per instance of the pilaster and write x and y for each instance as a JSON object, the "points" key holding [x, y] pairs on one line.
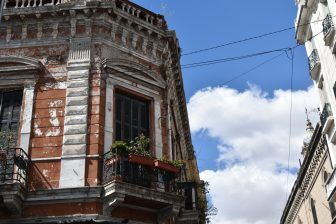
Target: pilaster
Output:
{"points": [[76, 115]]}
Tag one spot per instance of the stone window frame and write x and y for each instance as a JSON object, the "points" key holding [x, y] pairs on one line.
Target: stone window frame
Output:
{"points": [[119, 75], [21, 73]]}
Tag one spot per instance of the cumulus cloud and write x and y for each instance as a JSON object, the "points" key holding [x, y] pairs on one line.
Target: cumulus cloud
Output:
{"points": [[252, 129]]}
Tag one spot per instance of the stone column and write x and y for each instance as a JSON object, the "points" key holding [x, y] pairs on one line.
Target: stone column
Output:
{"points": [[76, 115]]}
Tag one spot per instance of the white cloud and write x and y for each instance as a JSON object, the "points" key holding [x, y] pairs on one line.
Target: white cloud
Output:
{"points": [[253, 128]]}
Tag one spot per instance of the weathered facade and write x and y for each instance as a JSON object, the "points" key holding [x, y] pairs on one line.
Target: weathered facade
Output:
{"points": [[75, 76]]}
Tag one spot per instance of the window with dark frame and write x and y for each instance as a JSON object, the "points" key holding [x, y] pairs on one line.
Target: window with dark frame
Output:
{"points": [[313, 210], [131, 118], [10, 109]]}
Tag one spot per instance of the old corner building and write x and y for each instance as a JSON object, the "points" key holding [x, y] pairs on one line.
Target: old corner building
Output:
{"points": [[75, 76], [313, 196]]}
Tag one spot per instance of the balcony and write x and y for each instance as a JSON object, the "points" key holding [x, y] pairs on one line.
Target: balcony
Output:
{"points": [[331, 187], [328, 30], [326, 118], [314, 64], [130, 185], [14, 163], [189, 213]]}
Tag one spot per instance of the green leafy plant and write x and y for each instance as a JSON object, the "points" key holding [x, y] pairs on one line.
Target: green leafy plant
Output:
{"points": [[8, 139], [176, 163], [139, 146], [119, 148], [207, 210]]}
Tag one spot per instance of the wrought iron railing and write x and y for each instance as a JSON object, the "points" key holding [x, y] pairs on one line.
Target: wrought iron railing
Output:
{"points": [[326, 112], [14, 163], [313, 59], [327, 24], [190, 194], [119, 168]]}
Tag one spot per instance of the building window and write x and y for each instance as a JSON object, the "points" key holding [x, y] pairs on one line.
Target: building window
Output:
{"points": [[131, 118], [10, 109], [313, 210], [332, 209], [334, 88]]}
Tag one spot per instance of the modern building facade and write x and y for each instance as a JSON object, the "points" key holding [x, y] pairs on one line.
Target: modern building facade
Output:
{"points": [[313, 196], [75, 77]]}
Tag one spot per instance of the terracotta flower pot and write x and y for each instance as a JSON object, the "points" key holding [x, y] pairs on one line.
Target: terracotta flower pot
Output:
{"points": [[146, 161], [165, 166]]}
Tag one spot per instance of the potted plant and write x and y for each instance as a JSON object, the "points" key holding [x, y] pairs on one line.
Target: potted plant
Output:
{"points": [[7, 140], [172, 166], [139, 153], [118, 149]]}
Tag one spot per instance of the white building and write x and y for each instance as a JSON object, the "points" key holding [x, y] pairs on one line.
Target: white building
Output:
{"points": [[316, 30]]}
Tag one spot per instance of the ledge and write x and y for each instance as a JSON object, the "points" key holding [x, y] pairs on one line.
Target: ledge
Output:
{"points": [[329, 122], [329, 37], [315, 71], [331, 186]]}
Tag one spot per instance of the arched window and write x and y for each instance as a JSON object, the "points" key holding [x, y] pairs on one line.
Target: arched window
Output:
{"points": [[313, 210]]}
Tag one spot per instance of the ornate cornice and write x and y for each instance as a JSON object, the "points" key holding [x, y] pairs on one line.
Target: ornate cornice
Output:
{"points": [[305, 180]]}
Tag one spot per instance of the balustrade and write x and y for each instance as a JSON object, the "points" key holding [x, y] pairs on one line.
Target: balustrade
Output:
{"points": [[14, 164]]}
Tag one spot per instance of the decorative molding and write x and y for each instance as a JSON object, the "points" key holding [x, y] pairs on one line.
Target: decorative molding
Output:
{"points": [[305, 186], [135, 70]]}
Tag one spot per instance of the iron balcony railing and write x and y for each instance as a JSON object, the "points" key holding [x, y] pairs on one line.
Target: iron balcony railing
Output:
{"points": [[326, 112], [14, 163], [119, 168], [313, 59], [327, 24], [190, 193]]}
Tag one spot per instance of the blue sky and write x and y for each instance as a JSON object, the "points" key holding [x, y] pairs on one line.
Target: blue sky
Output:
{"points": [[220, 153]]}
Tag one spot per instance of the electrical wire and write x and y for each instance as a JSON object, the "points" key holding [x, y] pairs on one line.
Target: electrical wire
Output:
{"points": [[249, 38], [244, 73], [229, 59], [290, 117]]}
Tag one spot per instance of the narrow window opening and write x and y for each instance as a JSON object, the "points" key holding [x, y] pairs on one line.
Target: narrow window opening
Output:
{"points": [[132, 117]]}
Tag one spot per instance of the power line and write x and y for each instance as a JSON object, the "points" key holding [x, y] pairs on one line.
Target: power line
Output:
{"points": [[290, 118], [249, 38], [245, 73], [211, 62]]}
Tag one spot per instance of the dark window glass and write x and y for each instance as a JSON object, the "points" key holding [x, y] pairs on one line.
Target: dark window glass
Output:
{"points": [[10, 109], [313, 209], [132, 117], [332, 209]]}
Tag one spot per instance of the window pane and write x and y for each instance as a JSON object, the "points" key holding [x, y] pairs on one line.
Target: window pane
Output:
{"points": [[118, 108], [127, 133], [127, 111], [135, 132], [135, 113], [143, 116], [130, 113], [118, 131]]}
